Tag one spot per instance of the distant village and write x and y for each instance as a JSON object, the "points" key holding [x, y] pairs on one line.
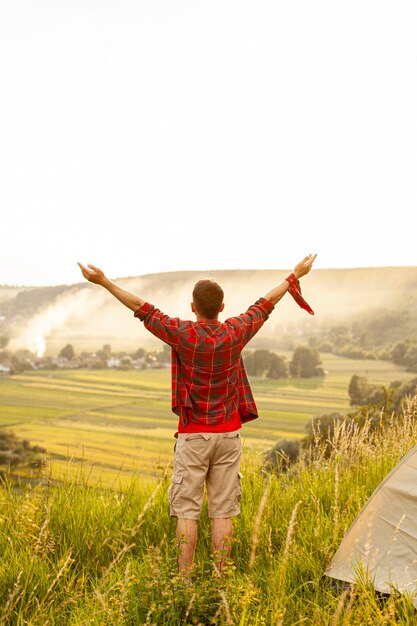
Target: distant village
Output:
{"points": [[23, 360]]}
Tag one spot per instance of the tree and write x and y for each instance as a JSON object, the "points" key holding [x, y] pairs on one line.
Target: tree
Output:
{"points": [[408, 389], [266, 363], [67, 352], [164, 355], [358, 389], [278, 367], [410, 358], [257, 363], [305, 363], [362, 393], [282, 455], [339, 335], [126, 363], [15, 451], [105, 353], [366, 340], [325, 346], [321, 429], [399, 351]]}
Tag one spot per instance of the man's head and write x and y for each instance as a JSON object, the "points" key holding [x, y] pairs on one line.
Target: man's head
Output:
{"points": [[207, 299]]}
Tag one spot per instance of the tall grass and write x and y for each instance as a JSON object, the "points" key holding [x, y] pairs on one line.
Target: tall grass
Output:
{"points": [[77, 555]]}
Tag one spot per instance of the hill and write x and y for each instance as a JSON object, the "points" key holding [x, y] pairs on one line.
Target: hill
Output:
{"points": [[87, 315]]}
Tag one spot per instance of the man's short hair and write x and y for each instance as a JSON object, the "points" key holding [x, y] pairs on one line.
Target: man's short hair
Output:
{"points": [[208, 298]]}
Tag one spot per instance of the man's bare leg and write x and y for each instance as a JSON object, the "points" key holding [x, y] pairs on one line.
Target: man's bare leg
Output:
{"points": [[186, 542], [221, 537]]}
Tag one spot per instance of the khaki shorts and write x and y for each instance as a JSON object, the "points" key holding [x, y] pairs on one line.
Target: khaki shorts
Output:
{"points": [[213, 459]]}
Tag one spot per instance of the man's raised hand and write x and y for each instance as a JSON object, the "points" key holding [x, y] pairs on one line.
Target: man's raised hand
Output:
{"points": [[92, 274], [97, 276], [303, 267]]}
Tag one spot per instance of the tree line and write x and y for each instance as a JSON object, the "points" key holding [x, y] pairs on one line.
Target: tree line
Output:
{"points": [[305, 361], [380, 334], [374, 404]]}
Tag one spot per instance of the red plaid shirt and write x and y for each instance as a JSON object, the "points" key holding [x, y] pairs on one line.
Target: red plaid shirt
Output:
{"points": [[210, 389]]}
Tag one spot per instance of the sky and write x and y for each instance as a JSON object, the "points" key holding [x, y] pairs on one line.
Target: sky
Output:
{"points": [[148, 136]]}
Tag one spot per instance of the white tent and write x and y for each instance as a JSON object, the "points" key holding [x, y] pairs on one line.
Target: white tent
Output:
{"points": [[382, 541]]}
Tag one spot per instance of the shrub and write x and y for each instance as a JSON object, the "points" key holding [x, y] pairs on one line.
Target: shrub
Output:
{"points": [[282, 455]]}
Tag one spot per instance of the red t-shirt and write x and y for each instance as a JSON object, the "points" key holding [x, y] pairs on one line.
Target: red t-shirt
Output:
{"points": [[210, 389]]}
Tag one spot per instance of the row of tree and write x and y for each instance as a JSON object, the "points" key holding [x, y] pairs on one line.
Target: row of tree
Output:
{"points": [[15, 451], [371, 403], [370, 340], [305, 363]]}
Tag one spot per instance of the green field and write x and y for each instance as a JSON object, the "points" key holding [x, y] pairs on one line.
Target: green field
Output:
{"points": [[77, 555], [117, 423]]}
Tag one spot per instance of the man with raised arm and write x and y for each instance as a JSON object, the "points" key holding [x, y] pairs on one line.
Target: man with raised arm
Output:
{"points": [[212, 398]]}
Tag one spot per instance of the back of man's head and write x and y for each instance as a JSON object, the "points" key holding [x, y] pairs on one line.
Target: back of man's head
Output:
{"points": [[208, 298]]}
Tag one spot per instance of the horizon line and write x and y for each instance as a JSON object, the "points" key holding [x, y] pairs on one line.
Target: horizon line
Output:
{"points": [[333, 269]]}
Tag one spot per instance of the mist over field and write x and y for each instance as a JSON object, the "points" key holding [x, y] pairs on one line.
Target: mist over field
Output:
{"points": [[87, 315]]}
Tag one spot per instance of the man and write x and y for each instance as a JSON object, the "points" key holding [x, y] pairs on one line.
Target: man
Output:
{"points": [[212, 398]]}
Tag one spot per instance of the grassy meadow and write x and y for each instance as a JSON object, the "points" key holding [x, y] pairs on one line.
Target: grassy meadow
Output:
{"points": [[79, 555], [90, 541], [117, 424]]}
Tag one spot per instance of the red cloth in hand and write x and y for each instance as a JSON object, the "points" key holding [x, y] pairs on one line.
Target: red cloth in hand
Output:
{"points": [[295, 291]]}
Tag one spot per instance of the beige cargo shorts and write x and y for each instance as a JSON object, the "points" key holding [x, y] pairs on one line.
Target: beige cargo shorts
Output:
{"points": [[212, 459]]}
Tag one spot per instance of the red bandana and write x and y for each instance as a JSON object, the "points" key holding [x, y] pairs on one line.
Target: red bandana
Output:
{"points": [[295, 291]]}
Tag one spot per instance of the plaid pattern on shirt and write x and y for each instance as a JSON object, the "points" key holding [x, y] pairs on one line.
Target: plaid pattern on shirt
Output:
{"points": [[209, 382]]}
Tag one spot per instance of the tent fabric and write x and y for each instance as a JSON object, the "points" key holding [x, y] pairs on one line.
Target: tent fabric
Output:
{"points": [[381, 544]]}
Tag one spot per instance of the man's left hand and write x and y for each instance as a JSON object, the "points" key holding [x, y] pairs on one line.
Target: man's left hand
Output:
{"points": [[303, 268]]}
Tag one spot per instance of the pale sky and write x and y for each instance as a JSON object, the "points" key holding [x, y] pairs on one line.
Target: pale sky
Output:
{"points": [[157, 135]]}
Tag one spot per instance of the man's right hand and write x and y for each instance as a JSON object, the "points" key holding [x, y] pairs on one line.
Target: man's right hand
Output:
{"points": [[93, 274]]}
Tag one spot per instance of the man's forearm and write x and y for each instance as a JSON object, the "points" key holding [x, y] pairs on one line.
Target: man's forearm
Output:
{"points": [[127, 298], [277, 292]]}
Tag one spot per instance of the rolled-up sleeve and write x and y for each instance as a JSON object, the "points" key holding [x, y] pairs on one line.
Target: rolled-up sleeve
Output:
{"points": [[162, 326], [143, 311], [247, 324]]}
